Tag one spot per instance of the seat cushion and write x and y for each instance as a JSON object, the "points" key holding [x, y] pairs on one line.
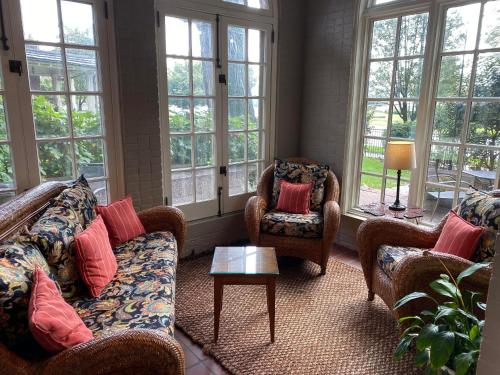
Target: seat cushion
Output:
{"points": [[388, 257], [142, 294], [482, 210], [294, 225]]}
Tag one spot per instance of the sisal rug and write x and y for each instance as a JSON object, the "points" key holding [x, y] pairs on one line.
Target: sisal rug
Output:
{"points": [[324, 324]]}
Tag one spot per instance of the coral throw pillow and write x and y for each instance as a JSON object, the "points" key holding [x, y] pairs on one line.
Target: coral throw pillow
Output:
{"points": [[294, 198], [458, 237], [94, 257], [52, 321], [121, 221]]}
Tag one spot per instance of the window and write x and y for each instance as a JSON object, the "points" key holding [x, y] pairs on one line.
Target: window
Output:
{"points": [[215, 110], [64, 103], [257, 4], [440, 91]]}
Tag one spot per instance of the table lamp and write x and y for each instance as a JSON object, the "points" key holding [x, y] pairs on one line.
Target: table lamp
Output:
{"points": [[399, 155]]}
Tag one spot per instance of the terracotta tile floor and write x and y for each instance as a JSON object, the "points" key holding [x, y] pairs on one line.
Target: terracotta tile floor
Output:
{"points": [[198, 363]]}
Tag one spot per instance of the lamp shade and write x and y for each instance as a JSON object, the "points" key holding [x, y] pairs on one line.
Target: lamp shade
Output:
{"points": [[400, 155]]}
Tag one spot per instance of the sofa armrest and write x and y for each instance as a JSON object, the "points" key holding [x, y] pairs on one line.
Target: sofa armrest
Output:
{"points": [[389, 231], [331, 222], [166, 218], [133, 351], [416, 271], [255, 208]]}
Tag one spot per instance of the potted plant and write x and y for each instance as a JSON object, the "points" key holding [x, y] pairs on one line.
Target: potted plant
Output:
{"points": [[446, 338]]}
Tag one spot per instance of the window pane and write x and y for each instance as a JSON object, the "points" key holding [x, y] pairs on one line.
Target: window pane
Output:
{"points": [[404, 119], [237, 80], [50, 116], [237, 114], [203, 78], [384, 38], [177, 36], [379, 82], [438, 201], [205, 185], [253, 146], [377, 118], [182, 188], [253, 113], [82, 70], [480, 168], [6, 172], [86, 115], [100, 190], [178, 76], [443, 165], [203, 115], [6, 196], [180, 151], [454, 76], [413, 34], [40, 20], [237, 179], [391, 190], [448, 121], [373, 156], [255, 45], [241, 2], [370, 190], [254, 78], [204, 150], [488, 75], [179, 115], [253, 177], [237, 143], [258, 4], [236, 43], [78, 23], [408, 77], [201, 34], [3, 124], [461, 27], [490, 28], [484, 125], [55, 160], [45, 68], [90, 158]]}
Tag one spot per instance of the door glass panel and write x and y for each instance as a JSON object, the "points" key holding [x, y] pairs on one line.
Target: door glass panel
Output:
{"points": [[448, 121], [78, 23], [86, 115], [55, 160], [413, 34], [480, 168], [379, 81], [204, 115], [461, 28], [45, 68], [454, 76], [82, 70], [236, 45], [90, 158], [484, 123], [384, 38], [487, 75], [7, 178], [201, 39], [50, 114], [490, 28], [203, 78], [40, 20]]}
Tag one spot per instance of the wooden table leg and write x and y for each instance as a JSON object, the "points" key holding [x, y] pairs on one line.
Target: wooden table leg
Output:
{"points": [[271, 303], [218, 293]]}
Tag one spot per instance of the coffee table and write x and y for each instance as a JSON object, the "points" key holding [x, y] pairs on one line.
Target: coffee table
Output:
{"points": [[247, 265]]}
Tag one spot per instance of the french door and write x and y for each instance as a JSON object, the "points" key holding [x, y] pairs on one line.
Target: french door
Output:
{"points": [[214, 80], [58, 111]]}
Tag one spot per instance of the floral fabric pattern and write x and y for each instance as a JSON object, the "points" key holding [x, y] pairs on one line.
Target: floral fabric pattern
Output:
{"points": [[54, 234], [17, 263], [293, 225], [142, 294], [388, 257], [79, 197], [482, 210], [301, 173]]}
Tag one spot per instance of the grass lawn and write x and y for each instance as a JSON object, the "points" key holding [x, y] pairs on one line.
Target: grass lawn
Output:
{"points": [[375, 165]]}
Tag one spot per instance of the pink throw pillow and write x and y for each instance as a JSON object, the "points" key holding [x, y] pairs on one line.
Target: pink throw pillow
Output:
{"points": [[52, 321], [95, 259], [294, 198]]}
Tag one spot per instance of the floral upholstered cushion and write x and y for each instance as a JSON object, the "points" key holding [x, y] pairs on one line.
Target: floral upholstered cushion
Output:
{"points": [[17, 264], [482, 210], [142, 294], [294, 225], [79, 197], [388, 257], [54, 234], [301, 173]]}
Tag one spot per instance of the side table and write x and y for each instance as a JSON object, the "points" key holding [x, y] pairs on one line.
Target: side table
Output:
{"points": [[381, 209]]}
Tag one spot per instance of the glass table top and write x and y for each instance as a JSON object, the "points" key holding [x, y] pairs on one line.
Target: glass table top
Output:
{"points": [[244, 260]]}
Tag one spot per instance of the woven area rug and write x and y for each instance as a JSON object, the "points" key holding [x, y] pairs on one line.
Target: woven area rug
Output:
{"points": [[324, 324]]}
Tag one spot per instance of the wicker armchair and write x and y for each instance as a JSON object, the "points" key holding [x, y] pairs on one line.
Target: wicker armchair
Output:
{"points": [[316, 250], [415, 271]]}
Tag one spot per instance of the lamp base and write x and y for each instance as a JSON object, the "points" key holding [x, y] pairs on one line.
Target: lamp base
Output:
{"points": [[397, 207]]}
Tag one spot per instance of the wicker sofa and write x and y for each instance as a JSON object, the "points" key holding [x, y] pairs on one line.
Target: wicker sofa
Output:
{"points": [[132, 321]]}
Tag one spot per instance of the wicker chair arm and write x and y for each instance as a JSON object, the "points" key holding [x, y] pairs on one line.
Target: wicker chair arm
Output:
{"points": [[415, 272], [389, 231], [331, 220], [265, 185], [255, 208], [166, 218], [138, 351]]}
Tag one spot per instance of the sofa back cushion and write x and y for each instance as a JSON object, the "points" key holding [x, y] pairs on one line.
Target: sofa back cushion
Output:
{"points": [[482, 210], [301, 173], [18, 260]]}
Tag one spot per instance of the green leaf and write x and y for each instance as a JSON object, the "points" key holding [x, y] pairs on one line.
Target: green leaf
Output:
{"points": [[405, 318], [445, 277], [426, 336], [463, 362], [411, 297], [471, 270], [482, 306], [474, 332], [441, 348], [422, 357], [403, 346], [445, 311], [427, 313], [445, 288]]}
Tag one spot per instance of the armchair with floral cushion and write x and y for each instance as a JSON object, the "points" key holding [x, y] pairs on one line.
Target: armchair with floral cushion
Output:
{"points": [[309, 236], [397, 257]]}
